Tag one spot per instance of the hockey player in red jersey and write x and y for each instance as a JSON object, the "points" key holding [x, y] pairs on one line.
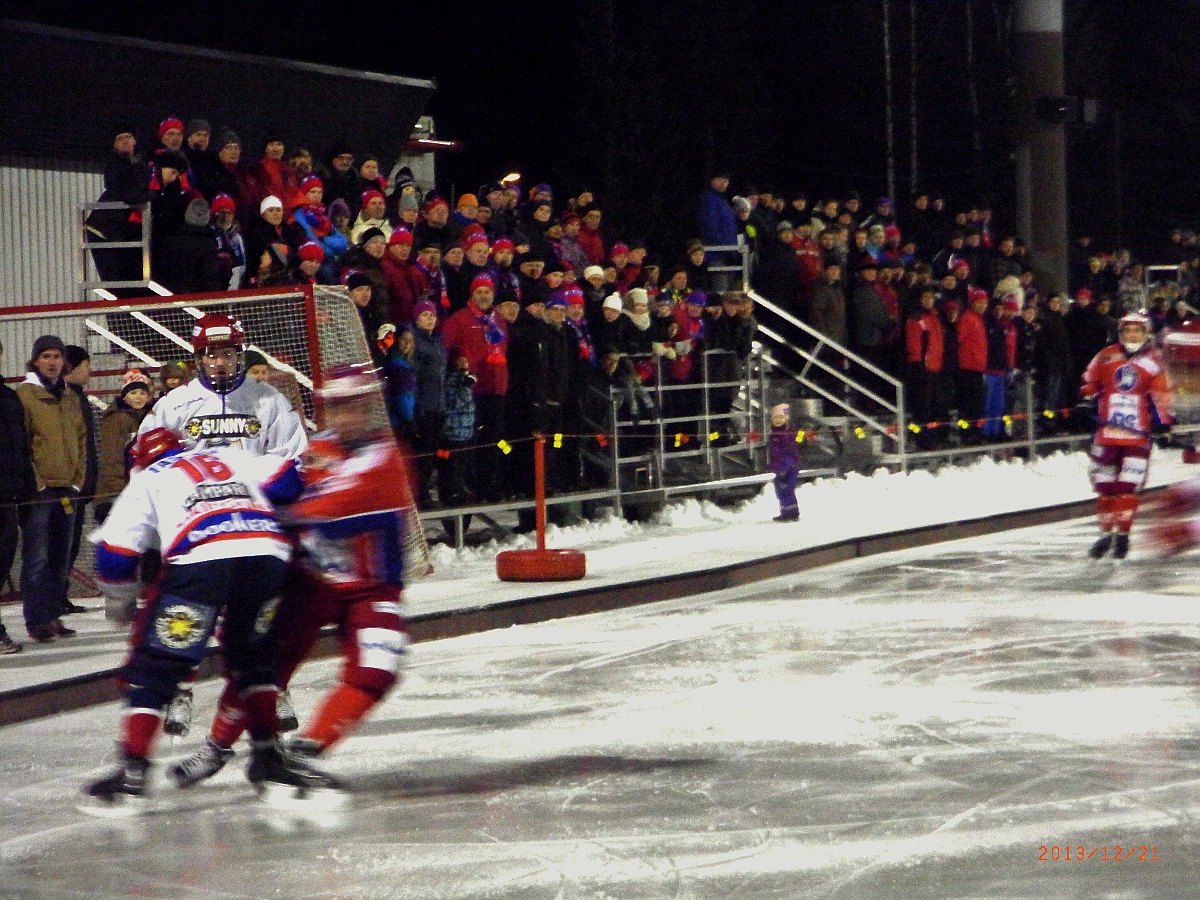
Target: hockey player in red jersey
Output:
{"points": [[1134, 398], [225, 556], [348, 572]]}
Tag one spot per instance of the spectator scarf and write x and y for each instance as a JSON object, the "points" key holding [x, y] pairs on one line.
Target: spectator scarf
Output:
{"points": [[493, 334], [437, 285], [587, 350]]}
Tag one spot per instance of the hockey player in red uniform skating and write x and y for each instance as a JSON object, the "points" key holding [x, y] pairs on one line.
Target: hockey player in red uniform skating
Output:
{"points": [[348, 571], [225, 557], [1134, 399]]}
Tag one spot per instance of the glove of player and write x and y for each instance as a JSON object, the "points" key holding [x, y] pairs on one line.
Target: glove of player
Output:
{"points": [[120, 603]]}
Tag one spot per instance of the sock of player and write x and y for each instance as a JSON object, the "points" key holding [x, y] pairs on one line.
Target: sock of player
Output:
{"points": [[1106, 512], [258, 701], [343, 709], [139, 727], [230, 720], [1125, 508]]}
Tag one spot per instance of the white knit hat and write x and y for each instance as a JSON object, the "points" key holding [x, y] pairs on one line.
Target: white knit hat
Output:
{"points": [[613, 301]]}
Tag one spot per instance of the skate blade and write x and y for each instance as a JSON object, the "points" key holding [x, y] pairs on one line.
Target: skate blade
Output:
{"points": [[125, 808], [295, 799]]}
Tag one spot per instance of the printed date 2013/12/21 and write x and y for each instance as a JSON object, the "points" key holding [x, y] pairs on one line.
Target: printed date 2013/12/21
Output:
{"points": [[1115, 853]]}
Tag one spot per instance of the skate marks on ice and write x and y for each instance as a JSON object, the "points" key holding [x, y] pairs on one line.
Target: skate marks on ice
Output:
{"points": [[829, 735]]}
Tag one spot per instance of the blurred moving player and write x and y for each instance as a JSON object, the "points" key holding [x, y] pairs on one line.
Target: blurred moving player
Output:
{"points": [[1134, 399], [348, 571], [225, 555]]}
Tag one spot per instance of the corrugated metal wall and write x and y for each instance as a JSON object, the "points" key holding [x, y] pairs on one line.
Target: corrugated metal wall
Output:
{"points": [[37, 229]]}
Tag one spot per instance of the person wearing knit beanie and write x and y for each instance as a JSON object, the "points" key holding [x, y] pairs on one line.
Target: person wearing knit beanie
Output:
{"points": [[170, 132]]}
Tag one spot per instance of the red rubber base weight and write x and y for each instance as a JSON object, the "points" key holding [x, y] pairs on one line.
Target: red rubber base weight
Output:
{"points": [[541, 565]]}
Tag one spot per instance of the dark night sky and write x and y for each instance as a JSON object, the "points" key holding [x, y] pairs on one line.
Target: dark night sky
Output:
{"points": [[638, 99]]}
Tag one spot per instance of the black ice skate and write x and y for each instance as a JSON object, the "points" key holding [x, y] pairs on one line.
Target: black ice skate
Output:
{"points": [[204, 763], [285, 712], [285, 781], [1101, 547], [121, 793], [1120, 546], [178, 721]]}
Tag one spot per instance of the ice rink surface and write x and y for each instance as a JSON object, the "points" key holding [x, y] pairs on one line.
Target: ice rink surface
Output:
{"points": [[915, 725]]}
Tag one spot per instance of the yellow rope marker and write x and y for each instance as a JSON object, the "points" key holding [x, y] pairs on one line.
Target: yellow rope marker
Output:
{"points": [[1048, 413], [914, 427], [964, 424], [505, 447], [679, 439], [713, 435], [1007, 420], [799, 437], [860, 433], [558, 442]]}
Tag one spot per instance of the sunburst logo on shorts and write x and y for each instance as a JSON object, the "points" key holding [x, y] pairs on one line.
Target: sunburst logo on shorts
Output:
{"points": [[266, 616], [179, 627]]}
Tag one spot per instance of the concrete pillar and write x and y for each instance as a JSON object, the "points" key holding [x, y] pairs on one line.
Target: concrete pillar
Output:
{"points": [[1041, 155]]}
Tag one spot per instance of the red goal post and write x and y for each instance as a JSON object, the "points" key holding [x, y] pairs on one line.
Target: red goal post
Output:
{"points": [[302, 332]]}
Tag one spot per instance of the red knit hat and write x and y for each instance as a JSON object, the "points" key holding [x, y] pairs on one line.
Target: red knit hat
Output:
{"points": [[223, 201], [475, 237], [619, 249], [311, 251], [503, 243], [400, 236], [482, 281], [310, 182], [167, 124], [369, 195]]}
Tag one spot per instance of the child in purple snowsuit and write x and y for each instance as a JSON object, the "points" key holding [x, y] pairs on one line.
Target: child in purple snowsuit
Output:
{"points": [[783, 458]]}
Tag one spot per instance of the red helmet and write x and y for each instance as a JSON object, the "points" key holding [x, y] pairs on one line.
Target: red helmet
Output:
{"points": [[152, 446], [217, 330], [213, 332], [347, 381]]}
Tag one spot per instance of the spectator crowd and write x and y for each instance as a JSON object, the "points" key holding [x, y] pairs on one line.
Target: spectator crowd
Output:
{"points": [[945, 302]]}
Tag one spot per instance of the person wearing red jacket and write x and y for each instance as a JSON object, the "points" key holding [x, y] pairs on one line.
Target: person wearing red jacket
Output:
{"points": [[1001, 360], [972, 357], [924, 344], [404, 288], [478, 334], [1134, 400], [589, 238]]}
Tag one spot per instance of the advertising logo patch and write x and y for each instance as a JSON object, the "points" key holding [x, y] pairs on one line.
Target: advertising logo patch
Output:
{"points": [[180, 625], [222, 428]]}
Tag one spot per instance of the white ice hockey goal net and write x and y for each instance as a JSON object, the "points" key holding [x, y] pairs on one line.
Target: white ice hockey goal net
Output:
{"points": [[302, 333]]}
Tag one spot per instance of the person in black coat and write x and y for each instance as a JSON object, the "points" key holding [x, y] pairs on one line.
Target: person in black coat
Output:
{"points": [[1052, 361], [731, 328], [126, 180], [186, 261], [17, 485]]}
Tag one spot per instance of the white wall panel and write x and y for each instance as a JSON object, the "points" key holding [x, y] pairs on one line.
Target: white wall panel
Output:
{"points": [[38, 236]]}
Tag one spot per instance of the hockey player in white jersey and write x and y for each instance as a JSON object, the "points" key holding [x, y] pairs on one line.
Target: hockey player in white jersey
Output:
{"points": [[224, 407], [225, 557]]}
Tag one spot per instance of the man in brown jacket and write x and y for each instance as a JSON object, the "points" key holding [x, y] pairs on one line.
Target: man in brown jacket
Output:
{"points": [[58, 441]]}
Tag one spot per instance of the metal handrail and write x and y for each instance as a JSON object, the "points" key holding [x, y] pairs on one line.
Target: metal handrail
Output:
{"points": [[85, 247]]}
